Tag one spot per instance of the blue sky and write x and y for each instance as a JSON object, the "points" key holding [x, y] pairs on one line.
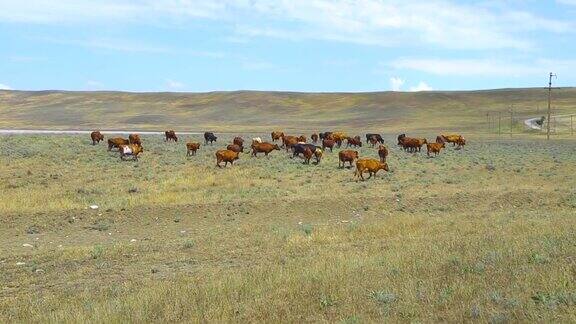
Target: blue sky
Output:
{"points": [[295, 45]]}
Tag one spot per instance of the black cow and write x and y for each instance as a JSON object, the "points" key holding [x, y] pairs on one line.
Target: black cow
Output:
{"points": [[325, 135], [299, 149], [378, 137], [209, 137]]}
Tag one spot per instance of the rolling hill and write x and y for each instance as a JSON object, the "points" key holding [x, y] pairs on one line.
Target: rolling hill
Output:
{"points": [[259, 111]]}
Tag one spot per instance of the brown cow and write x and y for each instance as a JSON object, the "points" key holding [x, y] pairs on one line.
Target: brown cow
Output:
{"points": [[412, 145], [455, 139], [434, 148], [116, 142], [318, 155], [191, 148], [265, 148], [373, 141], [301, 139], [289, 141], [238, 141], [356, 142], [171, 136], [370, 165], [328, 143], [235, 147], [134, 139], [347, 156], [276, 136], [132, 150], [383, 153], [226, 156], [314, 138], [96, 137], [339, 137]]}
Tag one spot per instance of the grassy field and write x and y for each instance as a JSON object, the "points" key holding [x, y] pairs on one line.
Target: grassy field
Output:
{"points": [[486, 233], [253, 111]]}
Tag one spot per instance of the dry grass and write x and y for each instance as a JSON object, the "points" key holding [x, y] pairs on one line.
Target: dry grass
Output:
{"points": [[485, 233], [262, 111]]}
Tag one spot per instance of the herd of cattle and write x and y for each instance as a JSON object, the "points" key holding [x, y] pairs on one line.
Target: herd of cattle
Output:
{"points": [[298, 145]]}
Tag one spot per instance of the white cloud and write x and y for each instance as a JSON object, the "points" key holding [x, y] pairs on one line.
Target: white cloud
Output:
{"points": [[396, 83], [422, 86], [443, 23], [174, 85], [484, 67], [5, 87], [567, 2]]}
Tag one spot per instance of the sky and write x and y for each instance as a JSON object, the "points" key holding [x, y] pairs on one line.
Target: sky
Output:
{"points": [[286, 45]]}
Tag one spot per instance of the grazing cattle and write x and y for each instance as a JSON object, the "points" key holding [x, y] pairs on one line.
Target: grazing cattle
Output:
{"points": [[132, 150], [307, 155], [209, 137], [412, 145], [314, 138], [276, 136], [235, 147], [328, 143], [339, 137], [191, 148], [299, 148], [454, 139], [370, 165], [440, 139], [134, 139], [289, 141], [434, 148], [226, 156], [378, 138], [373, 141], [238, 141], [356, 142], [256, 140], [382, 153], [347, 156], [116, 142], [96, 137], [301, 139], [170, 136], [325, 135], [265, 148]]}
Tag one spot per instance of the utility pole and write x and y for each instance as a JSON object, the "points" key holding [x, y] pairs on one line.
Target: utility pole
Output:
{"points": [[549, 104]]}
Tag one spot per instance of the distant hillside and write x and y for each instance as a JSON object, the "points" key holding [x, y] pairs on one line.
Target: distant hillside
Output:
{"points": [[264, 111]]}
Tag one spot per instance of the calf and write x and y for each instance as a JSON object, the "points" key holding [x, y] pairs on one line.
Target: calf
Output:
{"points": [[170, 135], [226, 156], [307, 155], [191, 148], [370, 165], [382, 153], [265, 148], [434, 148], [96, 137], [347, 156]]}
